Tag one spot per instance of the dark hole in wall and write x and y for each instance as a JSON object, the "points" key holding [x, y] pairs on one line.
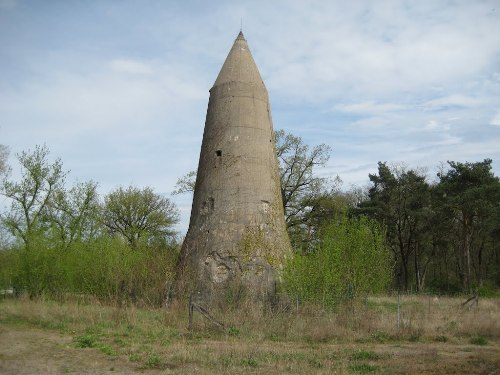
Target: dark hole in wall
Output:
{"points": [[218, 152]]}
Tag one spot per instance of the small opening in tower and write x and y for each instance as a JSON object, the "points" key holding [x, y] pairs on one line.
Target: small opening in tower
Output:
{"points": [[218, 152]]}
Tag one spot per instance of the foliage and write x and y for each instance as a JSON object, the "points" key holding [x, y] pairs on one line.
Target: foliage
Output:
{"points": [[139, 215], [33, 195], [444, 236], [62, 247], [298, 181], [4, 154], [153, 360], [120, 274], [468, 197], [186, 183], [85, 341], [74, 213], [399, 198], [362, 367], [351, 260]]}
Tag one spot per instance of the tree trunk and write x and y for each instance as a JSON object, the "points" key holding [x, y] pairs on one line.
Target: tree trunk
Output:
{"points": [[418, 280], [466, 251]]}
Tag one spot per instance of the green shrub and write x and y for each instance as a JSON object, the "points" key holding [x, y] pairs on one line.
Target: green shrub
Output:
{"points": [[233, 331], [106, 268], [86, 341], [351, 260]]}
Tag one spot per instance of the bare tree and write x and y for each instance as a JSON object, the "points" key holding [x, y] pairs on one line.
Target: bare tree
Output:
{"points": [[4, 154]]}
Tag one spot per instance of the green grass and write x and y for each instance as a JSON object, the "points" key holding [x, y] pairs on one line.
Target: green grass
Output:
{"points": [[108, 350], [478, 340], [86, 341], [233, 331], [134, 357], [380, 336], [153, 360], [362, 368], [250, 362], [304, 343], [364, 355], [441, 338]]}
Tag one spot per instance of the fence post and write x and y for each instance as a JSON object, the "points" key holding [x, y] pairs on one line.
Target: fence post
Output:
{"points": [[190, 311]]}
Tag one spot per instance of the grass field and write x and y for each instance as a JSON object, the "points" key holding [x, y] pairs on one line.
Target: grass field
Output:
{"points": [[435, 336]]}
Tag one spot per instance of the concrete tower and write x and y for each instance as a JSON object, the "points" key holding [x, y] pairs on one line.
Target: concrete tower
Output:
{"points": [[237, 235]]}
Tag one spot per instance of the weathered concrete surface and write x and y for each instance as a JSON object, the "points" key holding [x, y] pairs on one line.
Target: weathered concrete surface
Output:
{"points": [[237, 234]]}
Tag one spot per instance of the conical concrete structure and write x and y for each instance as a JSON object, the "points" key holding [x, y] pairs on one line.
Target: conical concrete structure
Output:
{"points": [[237, 235]]}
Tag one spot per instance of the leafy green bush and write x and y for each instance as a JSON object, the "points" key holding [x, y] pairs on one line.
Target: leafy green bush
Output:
{"points": [[86, 341], [107, 268], [351, 259]]}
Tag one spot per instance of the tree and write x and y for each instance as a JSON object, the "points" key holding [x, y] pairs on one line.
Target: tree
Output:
{"points": [[139, 215], [32, 196], [185, 184], [74, 213], [400, 199], [298, 182], [470, 194]]}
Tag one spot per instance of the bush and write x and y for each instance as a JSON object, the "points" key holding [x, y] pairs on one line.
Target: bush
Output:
{"points": [[351, 260], [106, 268]]}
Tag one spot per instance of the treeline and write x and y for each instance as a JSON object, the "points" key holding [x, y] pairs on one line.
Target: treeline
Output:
{"points": [[443, 233], [66, 240], [405, 231]]}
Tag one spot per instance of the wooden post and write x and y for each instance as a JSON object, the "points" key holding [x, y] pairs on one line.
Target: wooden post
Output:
{"points": [[190, 310]]}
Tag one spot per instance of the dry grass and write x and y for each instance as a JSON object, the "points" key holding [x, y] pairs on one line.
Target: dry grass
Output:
{"points": [[435, 335]]}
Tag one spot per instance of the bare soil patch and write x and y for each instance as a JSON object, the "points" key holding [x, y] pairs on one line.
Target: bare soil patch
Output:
{"points": [[25, 350]]}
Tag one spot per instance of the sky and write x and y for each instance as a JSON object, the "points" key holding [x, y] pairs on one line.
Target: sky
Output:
{"points": [[119, 89]]}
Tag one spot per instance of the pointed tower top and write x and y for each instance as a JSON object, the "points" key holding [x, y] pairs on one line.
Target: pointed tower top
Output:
{"points": [[239, 65]]}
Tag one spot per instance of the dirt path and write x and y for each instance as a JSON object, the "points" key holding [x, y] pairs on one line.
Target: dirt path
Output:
{"points": [[31, 351]]}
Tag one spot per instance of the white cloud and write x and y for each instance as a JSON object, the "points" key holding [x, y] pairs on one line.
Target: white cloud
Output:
{"points": [[455, 100], [131, 66], [369, 107], [496, 119], [434, 125]]}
